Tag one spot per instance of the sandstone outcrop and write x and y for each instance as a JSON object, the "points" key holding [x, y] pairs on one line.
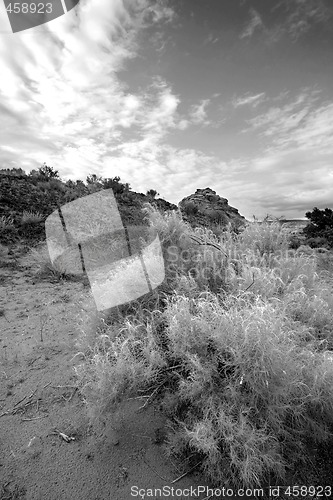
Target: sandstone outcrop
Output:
{"points": [[205, 208]]}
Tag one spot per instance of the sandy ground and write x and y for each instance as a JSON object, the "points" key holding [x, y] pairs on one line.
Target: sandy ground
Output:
{"points": [[40, 323]]}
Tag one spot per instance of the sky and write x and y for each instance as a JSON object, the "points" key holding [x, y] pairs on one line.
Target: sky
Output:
{"points": [[176, 95]]}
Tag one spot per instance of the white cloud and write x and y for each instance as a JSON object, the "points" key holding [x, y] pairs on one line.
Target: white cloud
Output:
{"points": [[306, 14], [198, 112], [253, 25], [299, 17], [211, 39], [163, 114], [247, 99], [160, 12], [317, 130], [292, 174], [63, 89], [298, 122]]}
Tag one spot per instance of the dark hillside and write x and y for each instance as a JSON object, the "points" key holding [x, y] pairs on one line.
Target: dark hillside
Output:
{"points": [[27, 200]]}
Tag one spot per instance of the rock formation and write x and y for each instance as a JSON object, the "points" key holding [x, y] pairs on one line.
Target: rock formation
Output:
{"points": [[208, 209]]}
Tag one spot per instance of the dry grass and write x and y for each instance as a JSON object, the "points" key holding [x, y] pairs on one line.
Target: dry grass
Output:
{"points": [[30, 216], [6, 222], [38, 259], [242, 365]]}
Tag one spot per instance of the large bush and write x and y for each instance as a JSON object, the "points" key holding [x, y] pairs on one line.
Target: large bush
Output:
{"points": [[319, 232], [243, 369]]}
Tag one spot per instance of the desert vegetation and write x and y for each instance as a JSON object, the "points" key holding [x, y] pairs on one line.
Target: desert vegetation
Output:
{"points": [[235, 347], [28, 199]]}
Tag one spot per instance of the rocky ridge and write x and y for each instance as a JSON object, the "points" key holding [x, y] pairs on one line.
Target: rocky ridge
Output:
{"points": [[205, 208]]}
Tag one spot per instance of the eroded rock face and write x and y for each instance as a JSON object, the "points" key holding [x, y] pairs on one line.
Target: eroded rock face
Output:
{"points": [[206, 208]]}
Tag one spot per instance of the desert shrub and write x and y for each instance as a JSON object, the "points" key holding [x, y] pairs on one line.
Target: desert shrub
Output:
{"points": [[152, 193], [264, 238], [6, 222], [305, 250], [320, 220], [29, 216], [118, 366], [242, 370], [295, 242], [173, 233], [324, 259], [247, 387], [31, 225], [47, 172], [8, 231], [241, 389], [319, 232], [116, 185], [38, 259], [317, 242], [265, 265], [313, 309]]}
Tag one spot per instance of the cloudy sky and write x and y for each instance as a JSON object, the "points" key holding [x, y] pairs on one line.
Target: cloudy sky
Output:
{"points": [[176, 95]]}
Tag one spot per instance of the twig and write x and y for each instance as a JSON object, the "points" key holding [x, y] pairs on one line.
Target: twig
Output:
{"points": [[152, 394], [154, 470], [141, 436], [172, 368], [19, 402], [16, 408], [185, 473], [137, 397], [25, 398], [47, 385], [250, 284], [23, 407], [43, 320], [208, 243], [63, 386], [30, 363], [66, 438], [75, 389], [33, 418]]}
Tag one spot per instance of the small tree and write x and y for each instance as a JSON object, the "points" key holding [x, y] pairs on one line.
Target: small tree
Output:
{"points": [[117, 186], [47, 172], [320, 230], [70, 183], [94, 179], [152, 193], [320, 219]]}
